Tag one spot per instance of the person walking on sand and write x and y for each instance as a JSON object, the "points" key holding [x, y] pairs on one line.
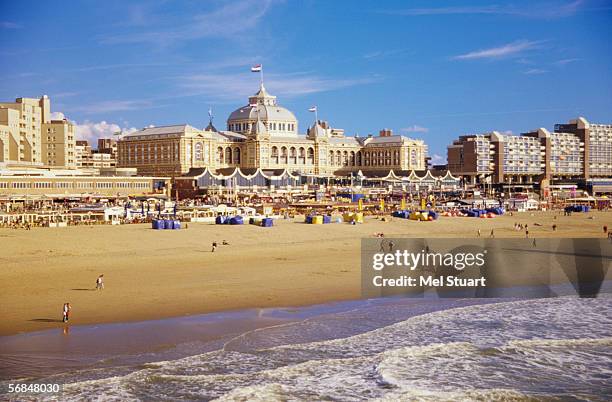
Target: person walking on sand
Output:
{"points": [[66, 312], [493, 233], [478, 232], [100, 282], [391, 245], [526, 234], [214, 247]]}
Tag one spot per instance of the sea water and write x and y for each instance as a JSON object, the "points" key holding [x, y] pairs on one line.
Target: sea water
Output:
{"points": [[553, 349]]}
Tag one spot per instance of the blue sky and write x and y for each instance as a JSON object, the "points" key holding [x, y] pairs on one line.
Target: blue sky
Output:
{"points": [[427, 69]]}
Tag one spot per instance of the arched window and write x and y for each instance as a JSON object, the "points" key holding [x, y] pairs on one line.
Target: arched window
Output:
{"points": [[302, 156], [219, 155], [228, 155], [237, 156], [292, 155], [310, 156], [338, 158], [352, 158], [284, 155], [275, 155], [198, 151], [331, 157], [345, 158], [359, 158]]}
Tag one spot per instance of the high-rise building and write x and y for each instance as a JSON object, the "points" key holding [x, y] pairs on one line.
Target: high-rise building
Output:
{"points": [[498, 156], [20, 130], [563, 154], [577, 150], [597, 140]]}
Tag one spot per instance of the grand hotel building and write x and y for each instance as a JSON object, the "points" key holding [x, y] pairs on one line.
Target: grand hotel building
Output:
{"points": [[263, 134]]}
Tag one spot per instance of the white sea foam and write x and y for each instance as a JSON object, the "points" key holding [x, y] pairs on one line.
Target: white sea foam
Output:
{"points": [[507, 351]]}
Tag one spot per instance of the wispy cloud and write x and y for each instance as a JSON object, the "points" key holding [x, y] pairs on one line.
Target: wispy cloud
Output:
{"points": [[237, 86], [230, 20], [548, 10], [563, 62], [507, 50], [10, 25], [383, 53], [60, 95], [415, 129], [114, 106], [535, 71]]}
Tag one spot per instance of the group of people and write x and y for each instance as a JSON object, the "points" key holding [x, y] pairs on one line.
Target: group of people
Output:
{"points": [[16, 225]]}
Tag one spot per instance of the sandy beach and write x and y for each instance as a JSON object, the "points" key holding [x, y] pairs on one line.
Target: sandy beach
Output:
{"points": [[156, 274]]}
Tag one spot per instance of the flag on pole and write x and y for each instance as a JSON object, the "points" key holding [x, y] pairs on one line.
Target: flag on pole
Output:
{"points": [[312, 109], [256, 68]]}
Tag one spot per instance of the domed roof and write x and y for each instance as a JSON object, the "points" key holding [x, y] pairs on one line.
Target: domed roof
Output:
{"points": [[271, 113], [269, 110]]}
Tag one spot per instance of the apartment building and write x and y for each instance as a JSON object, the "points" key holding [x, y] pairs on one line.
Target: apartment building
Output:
{"points": [[576, 151], [21, 130], [597, 140], [498, 156], [59, 144]]}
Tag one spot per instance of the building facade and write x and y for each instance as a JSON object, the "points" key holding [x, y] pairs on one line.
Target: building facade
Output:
{"points": [[59, 144], [30, 138], [575, 151], [57, 185], [597, 140], [20, 130], [263, 134], [102, 158]]}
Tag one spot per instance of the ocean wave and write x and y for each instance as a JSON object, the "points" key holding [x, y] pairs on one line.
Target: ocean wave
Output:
{"points": [[547, 348]]}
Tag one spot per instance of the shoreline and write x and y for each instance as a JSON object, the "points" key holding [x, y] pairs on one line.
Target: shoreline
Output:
{"points": [[162, 274], [34, 355], [120, 348]]}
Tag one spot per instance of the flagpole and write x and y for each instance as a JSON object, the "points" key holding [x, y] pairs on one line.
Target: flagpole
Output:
{"points": [[316, 115], [261, 75]]}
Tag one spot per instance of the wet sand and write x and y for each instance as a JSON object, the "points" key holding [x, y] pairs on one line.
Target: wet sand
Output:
{"points": [[157, 274]]}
